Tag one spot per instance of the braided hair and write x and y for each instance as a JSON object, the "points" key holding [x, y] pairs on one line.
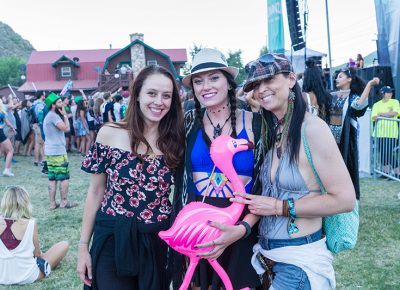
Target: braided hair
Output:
{"points": [[232, 105]]}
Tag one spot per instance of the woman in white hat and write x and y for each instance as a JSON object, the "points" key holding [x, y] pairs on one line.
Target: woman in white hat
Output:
{"points": [[215, 114]]}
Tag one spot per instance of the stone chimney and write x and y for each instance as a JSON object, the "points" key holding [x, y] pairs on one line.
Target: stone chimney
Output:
{"points": [[138, 59], [135, 36]]}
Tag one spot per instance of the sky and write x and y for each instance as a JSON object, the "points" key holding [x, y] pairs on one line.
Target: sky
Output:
{"points": [[228, 25]]}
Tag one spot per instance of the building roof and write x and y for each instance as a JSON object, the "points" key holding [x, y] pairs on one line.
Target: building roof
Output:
{"points": [[176, 55], [90, 55], [94, 55], [57, 85]]}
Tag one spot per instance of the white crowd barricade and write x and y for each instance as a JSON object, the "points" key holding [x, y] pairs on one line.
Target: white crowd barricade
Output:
{"points": [[385, 148]]}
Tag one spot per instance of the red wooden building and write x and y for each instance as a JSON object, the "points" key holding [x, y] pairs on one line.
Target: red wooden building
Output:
{"points": [[97, 69]]}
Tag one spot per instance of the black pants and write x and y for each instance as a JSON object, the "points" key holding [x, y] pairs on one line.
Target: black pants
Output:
{"points": [[106, 271]]}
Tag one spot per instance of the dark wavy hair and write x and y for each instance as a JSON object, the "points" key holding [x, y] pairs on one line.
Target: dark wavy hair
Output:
{"points": [[80, 106], [294, 135], [357, 84], [313, 81], [232, 105], [171, 140]]}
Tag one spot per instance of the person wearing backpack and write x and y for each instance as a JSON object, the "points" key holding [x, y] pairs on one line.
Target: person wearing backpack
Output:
{"points": [[37, 108]]}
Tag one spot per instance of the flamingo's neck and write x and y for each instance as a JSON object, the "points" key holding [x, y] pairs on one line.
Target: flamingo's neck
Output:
{"points": [[235, 208]]}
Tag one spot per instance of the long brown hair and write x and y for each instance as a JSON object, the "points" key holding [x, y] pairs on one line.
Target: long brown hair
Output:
{"points": [[171, 140]]}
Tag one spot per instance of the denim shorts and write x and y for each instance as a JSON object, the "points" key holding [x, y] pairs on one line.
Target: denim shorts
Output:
{"points": [[287, 276]]}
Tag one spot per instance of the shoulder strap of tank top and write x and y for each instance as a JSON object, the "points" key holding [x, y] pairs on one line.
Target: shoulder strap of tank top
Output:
{"points": [[309, 157]]}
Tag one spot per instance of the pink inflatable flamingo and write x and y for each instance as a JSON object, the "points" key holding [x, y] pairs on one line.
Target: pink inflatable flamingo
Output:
{"points": [[190, 227]]}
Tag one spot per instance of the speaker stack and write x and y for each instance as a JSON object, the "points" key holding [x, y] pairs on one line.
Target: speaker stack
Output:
{"points": [[384, 73], [296, 34]]}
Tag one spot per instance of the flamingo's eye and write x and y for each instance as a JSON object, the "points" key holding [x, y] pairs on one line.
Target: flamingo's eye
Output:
{"points": [[234, 144]]}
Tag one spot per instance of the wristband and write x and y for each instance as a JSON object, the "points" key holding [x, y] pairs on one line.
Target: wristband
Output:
{"points": [[291, 227], [247, 227]]}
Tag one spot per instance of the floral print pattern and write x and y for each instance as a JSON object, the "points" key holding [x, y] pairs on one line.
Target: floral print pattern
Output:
{"points": [[136, 187]]}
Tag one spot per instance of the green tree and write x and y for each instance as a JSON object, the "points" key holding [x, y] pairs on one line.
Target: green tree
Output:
{"points": [[9, 72], [263, 50], [192, 52], [235, 59]]}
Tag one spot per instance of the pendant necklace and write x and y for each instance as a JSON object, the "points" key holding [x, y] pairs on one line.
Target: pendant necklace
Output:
{"points": [[279, 135], [217, 129]]}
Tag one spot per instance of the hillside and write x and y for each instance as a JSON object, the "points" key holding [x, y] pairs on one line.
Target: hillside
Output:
{"points": [[12, 44]]}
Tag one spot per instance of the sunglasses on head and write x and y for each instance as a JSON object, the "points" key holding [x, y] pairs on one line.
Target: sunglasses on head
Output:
{"points": [[347, 71], [265, 58]]}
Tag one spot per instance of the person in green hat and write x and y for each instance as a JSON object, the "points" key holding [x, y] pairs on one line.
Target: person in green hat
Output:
{"points": [[54, 125]]}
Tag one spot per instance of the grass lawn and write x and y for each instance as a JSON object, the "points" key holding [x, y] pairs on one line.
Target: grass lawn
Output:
{"points": [[374, 264]]}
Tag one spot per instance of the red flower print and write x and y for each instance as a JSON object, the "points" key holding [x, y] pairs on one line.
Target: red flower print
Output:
{"points": [[153, 179], [119, 198], [161, 172], [110, 211], [146, 214], [150, 187], [116, 155], [141, 196], [151, 169], [94, 154], [114, 176], [120, 209], [118, 166], [94, 167], [157, 201], [139, 167], [159, 193], [124, 162], [86, 162], [163, 185], [164, 201], [131, 156], [134, 202], [129, 214], [133, 173], [109, 194], [151, 205], [162, 217], [117, 187], [165, 209]]}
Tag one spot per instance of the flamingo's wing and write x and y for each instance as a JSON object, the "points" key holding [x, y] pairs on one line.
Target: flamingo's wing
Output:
{"points": [[190, 227]]}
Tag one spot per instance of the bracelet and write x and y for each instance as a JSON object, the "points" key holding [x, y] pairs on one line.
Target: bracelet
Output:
{"points": [[292, 228], [276, 207], [285, 210], [246, 226]]}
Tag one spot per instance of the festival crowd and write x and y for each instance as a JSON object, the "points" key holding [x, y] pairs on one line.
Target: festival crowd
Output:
{"points": [[147, 151]]}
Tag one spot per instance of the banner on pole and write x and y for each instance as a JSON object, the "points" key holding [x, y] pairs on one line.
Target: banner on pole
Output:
{"points": [[276, 35]]}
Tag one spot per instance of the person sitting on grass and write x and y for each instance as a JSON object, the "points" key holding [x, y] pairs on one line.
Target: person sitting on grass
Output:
{"points": [[21, 261]]}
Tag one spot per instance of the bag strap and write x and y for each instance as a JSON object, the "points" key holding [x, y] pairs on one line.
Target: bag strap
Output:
{"points": [[309, 157]]}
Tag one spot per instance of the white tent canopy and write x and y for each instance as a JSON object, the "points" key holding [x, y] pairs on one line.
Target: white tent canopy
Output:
{"points": [[297, 58]]}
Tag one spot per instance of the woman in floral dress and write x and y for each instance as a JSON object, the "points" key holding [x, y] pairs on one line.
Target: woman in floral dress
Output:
{"points": [[132, 165]]}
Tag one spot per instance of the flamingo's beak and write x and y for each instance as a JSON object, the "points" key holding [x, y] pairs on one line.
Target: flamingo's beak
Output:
{"points": [[250, 145], [244, 144]]}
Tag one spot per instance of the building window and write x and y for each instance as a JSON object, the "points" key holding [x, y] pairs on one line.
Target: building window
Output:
{"points": [[152, 61], [66, 72]]}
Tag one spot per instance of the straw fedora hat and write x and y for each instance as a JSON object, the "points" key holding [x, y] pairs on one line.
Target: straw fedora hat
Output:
{"points": [[209, 59]]}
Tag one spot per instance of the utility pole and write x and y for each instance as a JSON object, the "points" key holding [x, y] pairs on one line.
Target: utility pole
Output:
{"points": [[329, 45]]}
